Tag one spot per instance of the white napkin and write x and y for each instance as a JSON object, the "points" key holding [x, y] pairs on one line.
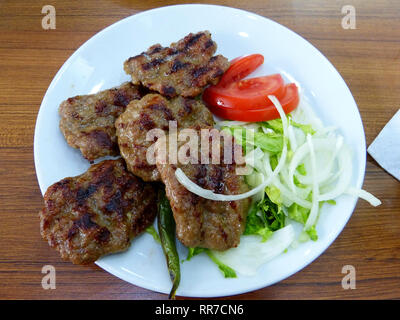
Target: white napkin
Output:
{"points": [[385, 149]]}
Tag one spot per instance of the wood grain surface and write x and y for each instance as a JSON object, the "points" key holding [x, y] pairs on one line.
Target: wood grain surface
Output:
{"points": [[368, 58]]}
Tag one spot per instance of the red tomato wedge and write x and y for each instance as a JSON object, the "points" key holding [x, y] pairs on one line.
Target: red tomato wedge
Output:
{"points": [[289, 102], [245, 94], [240, 68]]}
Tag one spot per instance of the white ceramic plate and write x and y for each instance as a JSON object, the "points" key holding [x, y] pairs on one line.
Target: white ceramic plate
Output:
{"points": [[97, 65]]}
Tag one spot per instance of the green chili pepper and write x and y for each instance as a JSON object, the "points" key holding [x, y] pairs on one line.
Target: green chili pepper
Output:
{"points": [[166, 229]]}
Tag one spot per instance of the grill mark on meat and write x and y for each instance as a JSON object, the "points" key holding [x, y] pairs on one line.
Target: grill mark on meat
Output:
{"points": [[191, 41], [136, 57], [103, 235], [63, 186], [153, 63], [218, 73], [83, 194], [208, 44], [144, 165], [85, 222], [200, 176], [155, 49], [102, 139], [100, 107], [114, 204], [199, 72], [213, 59], [167, 112], [222, 232], [146, 122], [72, 231], [121, 99], [216, 179], [178, 65], [233, 205], [168, 91], [172, 52], [187, 104]]}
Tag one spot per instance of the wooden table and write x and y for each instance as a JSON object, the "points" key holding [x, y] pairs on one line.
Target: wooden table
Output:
{"points": [[367, 57]]}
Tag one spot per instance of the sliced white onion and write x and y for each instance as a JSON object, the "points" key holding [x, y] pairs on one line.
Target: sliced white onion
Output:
{"points": [[292, 139], [326, 173], [302, 152], [364, 195], [282, 114], [301, 192], [312, 217], [299, 136], [345, 165], [253, 156], [251, 253], [286, 192]]}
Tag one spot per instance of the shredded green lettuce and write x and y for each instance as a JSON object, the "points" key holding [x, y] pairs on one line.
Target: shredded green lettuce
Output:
{"points": [[256, 225], [306, 128], [302, 169], [277, 126], [312, 233], [271, 142], [266, 216], [298, 183], [298, 213]]}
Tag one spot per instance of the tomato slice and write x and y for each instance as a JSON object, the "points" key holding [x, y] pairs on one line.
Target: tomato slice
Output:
{"points": [[289, 102], [245, 94], [240, 68]]}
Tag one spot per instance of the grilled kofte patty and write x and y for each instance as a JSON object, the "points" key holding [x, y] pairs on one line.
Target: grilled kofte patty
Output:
{"points": [[201, 222], [96, 213], [183, 69], [154, 111], [87, 122]]}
